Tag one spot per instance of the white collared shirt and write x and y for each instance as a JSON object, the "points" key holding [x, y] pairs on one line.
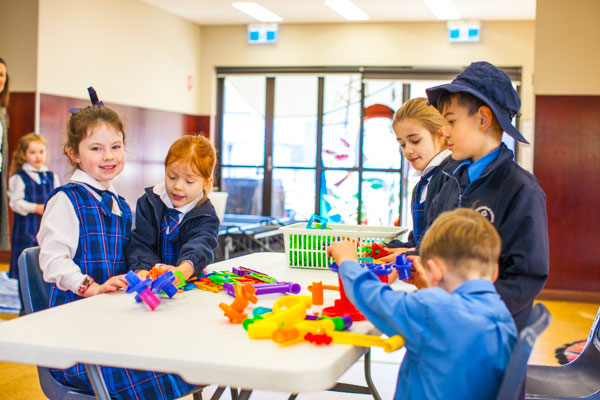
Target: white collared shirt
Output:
{"points": [[59, 235], [16, 189], [435, 161]]}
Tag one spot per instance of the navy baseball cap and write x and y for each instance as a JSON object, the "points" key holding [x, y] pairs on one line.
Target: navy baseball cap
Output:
{"points": [[492, 86]]}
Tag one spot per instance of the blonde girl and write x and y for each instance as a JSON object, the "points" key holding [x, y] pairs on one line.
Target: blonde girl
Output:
{"points": [[420, 131], [176, 225], [29, 186]]}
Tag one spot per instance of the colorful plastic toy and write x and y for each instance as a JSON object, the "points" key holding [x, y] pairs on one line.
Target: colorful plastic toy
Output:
{"points": [[286, 310], [267, 288], [377, 251], [356, 339], [403, 265], [164, 282], [316, 222], [317, 289], [142, 288], [244, 294]]}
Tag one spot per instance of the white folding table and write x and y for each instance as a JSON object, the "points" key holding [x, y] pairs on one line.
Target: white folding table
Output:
{"points": [[187, 335]]}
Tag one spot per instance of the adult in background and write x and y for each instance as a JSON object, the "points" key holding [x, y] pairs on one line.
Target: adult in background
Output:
{"points": [[4, 94]]}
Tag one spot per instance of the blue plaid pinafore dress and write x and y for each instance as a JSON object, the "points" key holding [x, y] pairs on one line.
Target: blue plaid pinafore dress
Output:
{"points": [[169, 234], [25, 228], [418, 207], [100, 254]]}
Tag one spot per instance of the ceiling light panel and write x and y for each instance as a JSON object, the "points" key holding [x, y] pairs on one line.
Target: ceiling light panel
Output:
{"points": [[257, 11], [443, 9], [347, 9]]}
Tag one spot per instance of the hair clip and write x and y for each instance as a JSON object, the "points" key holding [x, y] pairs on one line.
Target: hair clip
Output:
{"points": [[93, 99]]}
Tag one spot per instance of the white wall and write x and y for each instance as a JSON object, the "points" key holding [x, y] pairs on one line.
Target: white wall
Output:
{"points": [[419, 44], [130, 52], [567, 50], [18, 42]]}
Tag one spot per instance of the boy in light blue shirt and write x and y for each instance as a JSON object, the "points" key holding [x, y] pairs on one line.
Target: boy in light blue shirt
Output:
{"points": [[459, 334]]}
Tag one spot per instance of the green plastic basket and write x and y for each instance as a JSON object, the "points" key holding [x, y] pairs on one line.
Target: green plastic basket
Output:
{"points": [[307, 248]]}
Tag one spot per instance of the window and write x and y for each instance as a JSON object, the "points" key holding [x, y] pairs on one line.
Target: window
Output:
{"points": [[300, 141]]}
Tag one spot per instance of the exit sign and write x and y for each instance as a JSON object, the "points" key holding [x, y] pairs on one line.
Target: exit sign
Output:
{"points": [[464, 31], [262, 33]]}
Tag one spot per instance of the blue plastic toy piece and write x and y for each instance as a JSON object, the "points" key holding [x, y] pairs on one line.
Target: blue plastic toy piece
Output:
{"points": [[321, 222], [164, 283], [142, 288], [403, 265]]}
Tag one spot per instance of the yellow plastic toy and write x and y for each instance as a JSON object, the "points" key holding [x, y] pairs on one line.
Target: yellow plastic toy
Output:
{"points": [[287, 310]]}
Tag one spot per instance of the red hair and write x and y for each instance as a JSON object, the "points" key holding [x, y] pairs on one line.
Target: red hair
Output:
{"points": [[195, 151]]}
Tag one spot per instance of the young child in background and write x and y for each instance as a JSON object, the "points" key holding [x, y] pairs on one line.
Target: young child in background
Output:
{"points": [[479, 105], [420, 131], [176, 225], [84, 231], [29, 186], [459, 334]]}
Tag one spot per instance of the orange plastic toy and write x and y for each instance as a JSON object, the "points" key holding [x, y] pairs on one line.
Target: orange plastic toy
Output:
{"points": [[244, 294], [317, 292]]}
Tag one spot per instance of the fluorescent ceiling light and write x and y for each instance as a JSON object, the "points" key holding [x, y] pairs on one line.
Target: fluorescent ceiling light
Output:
{"points": [[443, 9], [347, 9], [257, 11]]}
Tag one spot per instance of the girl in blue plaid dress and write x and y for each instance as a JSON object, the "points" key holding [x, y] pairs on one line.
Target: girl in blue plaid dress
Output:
{"points": [[176, 226], [420, 131], [29, 186], [87, 257]]}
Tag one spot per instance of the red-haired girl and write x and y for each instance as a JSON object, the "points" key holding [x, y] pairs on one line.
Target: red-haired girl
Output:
{"points": [[176, 225]]}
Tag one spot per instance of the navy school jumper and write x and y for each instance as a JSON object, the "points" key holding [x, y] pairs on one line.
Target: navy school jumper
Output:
{"points": [[26, 227], [510, 198], [195, 241], [100, 254]]}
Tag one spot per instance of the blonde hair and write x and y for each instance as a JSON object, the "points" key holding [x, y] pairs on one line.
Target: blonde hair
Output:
{"points": [[465, 240], [197, 152], [18, 158], [85, 119], [428, 116]]}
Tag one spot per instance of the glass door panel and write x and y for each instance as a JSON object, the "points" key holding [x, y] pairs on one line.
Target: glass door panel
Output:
{"points": [[295, 127], [339, 196], [293, 193], [244, 186], [381, 203], [341, 120], [244, 121]]}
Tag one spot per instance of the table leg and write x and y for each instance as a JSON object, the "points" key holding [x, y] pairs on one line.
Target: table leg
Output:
{"points": [[370, 384], [217, 394], [244, 394], [97, 381]]}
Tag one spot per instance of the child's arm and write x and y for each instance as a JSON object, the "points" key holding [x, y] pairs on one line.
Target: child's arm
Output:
{"points": [[524, 258], [392, 312], [142, 250], [198, 250], [58, 241], [16, 196]]}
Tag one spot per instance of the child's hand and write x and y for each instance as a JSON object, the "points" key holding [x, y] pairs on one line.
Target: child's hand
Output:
{"points": [[113, 284], [418, 275], [39, 209], [393, 252], [342, 250], [143, 274], [186, 268]]}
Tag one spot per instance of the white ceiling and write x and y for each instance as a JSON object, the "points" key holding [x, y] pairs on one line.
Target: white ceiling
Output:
{"points": [[220, 12]]}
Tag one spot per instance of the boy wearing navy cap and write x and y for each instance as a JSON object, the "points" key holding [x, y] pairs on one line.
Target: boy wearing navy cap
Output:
{"points": [[479, 105]]}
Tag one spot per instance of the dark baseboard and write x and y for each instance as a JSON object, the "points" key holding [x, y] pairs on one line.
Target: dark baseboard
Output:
{"points": [[5, 257], [569, 295]]}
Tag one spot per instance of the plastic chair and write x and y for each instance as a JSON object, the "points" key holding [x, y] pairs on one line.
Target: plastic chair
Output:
{"points": [[512, 382], [36, 295], [580, 379]]}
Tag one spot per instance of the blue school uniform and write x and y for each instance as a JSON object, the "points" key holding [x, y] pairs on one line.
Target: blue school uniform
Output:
{"points": [[513, 201], [458, 344], [26, 227], [100, 254], [161, 236], [433, 181]]}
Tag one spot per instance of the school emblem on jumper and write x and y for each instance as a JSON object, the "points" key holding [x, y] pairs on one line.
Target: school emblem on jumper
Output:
{"points": [[486, 212]]}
